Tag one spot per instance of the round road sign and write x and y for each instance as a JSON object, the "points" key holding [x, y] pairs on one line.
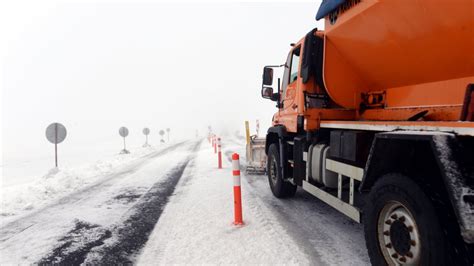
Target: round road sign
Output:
{"points": [[123, 131], [146, 131], [56, 133]]}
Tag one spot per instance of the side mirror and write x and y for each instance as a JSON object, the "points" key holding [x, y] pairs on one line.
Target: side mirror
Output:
{"points": [[267, 76], [267, 92]]}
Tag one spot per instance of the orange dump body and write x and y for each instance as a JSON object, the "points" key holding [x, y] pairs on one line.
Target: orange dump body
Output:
{"points": [[392, 60], [421, 53]]}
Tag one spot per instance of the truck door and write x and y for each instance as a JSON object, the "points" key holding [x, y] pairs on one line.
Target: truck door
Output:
{"points": [[289, 111]]}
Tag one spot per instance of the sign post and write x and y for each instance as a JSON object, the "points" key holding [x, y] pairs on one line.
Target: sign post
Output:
{"points": [[146, 132], [123, 131], [162, 133], [56, 133]]}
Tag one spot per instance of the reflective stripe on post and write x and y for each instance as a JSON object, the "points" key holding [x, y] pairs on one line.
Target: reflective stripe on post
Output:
{"points": [[237, 192], [219, 154]]}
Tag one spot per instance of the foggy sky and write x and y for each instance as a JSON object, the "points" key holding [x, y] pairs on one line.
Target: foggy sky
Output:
{"points": [[96, 66]]}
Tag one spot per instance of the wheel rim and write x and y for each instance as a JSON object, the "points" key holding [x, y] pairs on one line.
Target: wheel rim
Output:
{"points": [[273, 173], [398, 235]]}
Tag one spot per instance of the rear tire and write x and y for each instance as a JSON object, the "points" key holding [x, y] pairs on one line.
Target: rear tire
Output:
{"points": [[279, 187], [401, 225]]}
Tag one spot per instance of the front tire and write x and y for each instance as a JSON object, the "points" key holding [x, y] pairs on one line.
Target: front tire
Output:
{"points": [[279, 187], [401, 226]]}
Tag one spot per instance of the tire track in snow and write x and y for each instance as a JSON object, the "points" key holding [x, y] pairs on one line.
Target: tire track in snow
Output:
{"points": [[182, 184], [76, 244], [119, 244]]}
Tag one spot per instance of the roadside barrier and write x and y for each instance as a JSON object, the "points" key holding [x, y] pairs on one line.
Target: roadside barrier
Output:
{"points": [[237, 192], [219, 154]]}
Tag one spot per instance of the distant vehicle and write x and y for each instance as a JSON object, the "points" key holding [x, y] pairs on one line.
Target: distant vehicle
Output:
{"points": [[376, 118]]}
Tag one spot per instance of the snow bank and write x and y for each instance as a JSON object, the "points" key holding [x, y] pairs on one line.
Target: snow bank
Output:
{"points": [[59, 182], [196, 225]]}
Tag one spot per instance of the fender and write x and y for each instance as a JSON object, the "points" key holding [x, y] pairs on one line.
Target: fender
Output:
{"points": [[274, 134], [452, 159], [277, 134]]}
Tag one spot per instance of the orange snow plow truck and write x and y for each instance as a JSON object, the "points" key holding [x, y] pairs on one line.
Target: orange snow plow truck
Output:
{"points": [[376, 119]]}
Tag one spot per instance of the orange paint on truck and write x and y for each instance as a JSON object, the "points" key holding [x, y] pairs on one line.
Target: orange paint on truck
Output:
{"points": [[418, 56]]}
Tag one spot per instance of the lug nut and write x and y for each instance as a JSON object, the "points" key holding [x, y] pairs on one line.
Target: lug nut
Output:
{"points": [[387, 233], [403, 259], [395, 255], [388, 222], [409, 254], [410, 228], [402, 219], [394, 216], [412, 242], [389, 245]]}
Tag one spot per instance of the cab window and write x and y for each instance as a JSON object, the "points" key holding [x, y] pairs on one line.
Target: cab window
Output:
{"points": [[295, 62], [286, 75]]}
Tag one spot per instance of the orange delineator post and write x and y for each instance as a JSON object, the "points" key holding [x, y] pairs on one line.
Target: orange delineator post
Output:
{"points": [[219, 154], [215, 144], [237, 192]]}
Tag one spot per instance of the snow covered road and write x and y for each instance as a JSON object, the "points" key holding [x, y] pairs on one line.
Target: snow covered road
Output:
{"points": [[173, 206], [196, 225], [106, 221], [322, 233]]}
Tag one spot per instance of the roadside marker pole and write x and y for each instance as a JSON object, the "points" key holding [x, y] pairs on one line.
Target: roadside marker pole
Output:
{"points": [[237, 192], [215, 144], [247, 137], [219, 154], [247, 132]]}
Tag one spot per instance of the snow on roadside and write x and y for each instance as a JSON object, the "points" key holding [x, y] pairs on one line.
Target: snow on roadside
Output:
{"points": [[196, 225], [59, 182], [325, 235]]}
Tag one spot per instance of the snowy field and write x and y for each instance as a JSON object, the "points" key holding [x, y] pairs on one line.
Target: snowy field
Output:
{"points": [[27, 164], [169, 205]]}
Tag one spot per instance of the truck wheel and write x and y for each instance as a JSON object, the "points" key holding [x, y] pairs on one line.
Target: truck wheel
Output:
{"points": [[401, 226], [279, 187]]}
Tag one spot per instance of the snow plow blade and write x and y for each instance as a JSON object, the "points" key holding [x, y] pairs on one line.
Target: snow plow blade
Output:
{"points": [[256, 157]]}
